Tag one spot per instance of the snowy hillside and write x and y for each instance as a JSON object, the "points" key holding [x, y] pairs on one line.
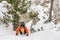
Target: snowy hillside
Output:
{"points": [[49, 32]]}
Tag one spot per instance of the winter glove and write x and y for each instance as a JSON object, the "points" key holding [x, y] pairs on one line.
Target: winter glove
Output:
{"points": [[16, 34], [27, 34]]}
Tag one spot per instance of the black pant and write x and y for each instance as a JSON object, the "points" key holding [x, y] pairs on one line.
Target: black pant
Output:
{"points": [[22, 33]]}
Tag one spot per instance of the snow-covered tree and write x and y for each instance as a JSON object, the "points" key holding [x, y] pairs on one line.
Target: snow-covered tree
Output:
{"points": [[1, 0], [56, 9], [34, 16], [15, 8]]}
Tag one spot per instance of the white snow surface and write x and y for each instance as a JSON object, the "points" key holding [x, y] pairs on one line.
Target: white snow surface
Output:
{"points": [[49, 32]]}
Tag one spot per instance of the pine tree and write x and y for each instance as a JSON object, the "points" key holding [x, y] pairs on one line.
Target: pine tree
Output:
{"points": [[35, 19], [18, 7], [1, 0]]}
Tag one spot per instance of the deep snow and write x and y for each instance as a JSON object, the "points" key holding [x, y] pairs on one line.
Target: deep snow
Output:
{"points": [[49, 32]]}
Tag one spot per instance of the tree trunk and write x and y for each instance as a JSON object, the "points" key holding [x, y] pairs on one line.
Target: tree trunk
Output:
{"points": [[50, 11], [32, 30]]}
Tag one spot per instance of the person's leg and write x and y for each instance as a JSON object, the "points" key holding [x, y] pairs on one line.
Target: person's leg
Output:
{"points": [[20, 32], [24, 31]]}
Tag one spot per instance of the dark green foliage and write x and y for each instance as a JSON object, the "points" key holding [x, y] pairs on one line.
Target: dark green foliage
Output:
{"points": [[22, 9], [15, 20], [33, 15], [35, 19], [15, 12], [1, 0], [6, 19], [9, 1]]}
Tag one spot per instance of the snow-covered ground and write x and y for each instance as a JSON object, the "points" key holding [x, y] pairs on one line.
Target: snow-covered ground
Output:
{"points": [[49, 29]]}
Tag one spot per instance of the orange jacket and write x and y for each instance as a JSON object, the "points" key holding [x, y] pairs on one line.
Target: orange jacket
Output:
{"points": [[19, 29]]}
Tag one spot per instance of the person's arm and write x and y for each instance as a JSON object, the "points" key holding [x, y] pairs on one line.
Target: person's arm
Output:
{"points": [[26, 31], [17, 30]]}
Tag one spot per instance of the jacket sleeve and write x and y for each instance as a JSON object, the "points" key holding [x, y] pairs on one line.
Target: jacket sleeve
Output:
{"points": [[18, 27], [26, 31], [17, 30]]}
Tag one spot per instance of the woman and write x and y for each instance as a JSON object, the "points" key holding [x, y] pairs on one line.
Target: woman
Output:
{"points": [[22, 29]]}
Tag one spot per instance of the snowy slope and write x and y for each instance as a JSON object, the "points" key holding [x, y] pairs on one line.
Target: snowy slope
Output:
{"points": [[49, 32], [42, 35]]}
